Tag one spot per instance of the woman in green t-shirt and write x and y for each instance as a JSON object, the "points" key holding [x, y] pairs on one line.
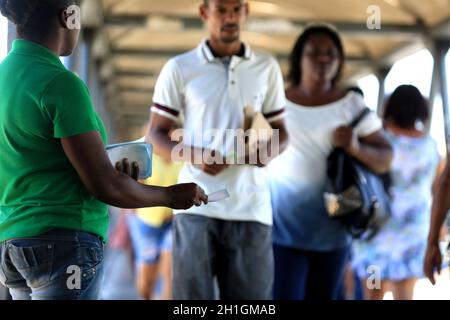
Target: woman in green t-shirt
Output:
{"points": [[55, 175]]}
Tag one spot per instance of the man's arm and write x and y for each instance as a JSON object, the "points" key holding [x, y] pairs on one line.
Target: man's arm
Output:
{"points": [[440, 207], [159, 135]]}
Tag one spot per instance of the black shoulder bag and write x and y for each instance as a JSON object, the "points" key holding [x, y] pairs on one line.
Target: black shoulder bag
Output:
{"points": [[355, 195]]}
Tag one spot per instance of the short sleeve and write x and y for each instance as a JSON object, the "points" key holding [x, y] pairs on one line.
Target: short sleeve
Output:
{"points": [[67, 101], [275, 101], [370, 124], [168, 94]]}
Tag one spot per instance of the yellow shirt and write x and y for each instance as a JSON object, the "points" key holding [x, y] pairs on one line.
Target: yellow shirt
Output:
{"points": [[164, 174]]}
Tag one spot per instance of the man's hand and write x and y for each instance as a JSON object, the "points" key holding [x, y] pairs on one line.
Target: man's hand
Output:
{"points": [[267, 150], [344, 137], [433, 261], [131, 171], [185, 196], [262, 155], [213, 162]]}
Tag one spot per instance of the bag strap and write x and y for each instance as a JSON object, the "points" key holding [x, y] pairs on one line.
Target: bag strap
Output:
{"points": [[361, 116]]}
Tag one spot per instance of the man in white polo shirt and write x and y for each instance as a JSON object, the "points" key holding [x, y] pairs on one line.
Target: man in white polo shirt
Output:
{"points": [[210, 86]]}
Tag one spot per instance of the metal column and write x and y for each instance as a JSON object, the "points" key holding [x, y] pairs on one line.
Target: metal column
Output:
{"points": [[440, 83], [12, 34], [381, 74], [444, 92]]}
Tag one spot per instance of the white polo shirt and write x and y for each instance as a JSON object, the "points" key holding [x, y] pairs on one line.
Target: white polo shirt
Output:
{"points": [[212, 94]]}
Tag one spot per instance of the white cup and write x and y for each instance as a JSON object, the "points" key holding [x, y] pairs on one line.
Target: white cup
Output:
{"points": [[139, 152]]}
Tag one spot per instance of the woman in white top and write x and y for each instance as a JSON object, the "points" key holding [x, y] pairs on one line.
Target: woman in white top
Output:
{"points": [[310, 249]]}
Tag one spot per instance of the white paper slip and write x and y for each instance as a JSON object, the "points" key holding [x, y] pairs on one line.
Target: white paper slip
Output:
{"points": [[218, 196]]}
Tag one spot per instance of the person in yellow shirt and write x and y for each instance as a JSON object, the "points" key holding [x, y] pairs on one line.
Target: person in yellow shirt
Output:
{"points": [[164, 173], [151, 236]]}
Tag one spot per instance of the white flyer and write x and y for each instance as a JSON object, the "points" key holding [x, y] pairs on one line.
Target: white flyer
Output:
{"points": [[218, 196]]}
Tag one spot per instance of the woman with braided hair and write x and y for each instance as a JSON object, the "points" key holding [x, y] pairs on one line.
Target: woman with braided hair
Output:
{"points": [[55, 175]]}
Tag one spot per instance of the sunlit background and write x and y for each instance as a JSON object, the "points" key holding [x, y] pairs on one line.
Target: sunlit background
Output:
{"points": [[3, 37], [415, 69]]}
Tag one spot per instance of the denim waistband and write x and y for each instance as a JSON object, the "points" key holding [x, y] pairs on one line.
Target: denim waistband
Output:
{"points": [[64, 235]]}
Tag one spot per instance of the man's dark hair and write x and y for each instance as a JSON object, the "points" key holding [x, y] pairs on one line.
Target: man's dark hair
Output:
{"points": [[406, 106], [295, 69], [34, 18]]}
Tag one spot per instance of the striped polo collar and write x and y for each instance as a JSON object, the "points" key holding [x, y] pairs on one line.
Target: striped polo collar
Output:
{"points": [[206, 54]]}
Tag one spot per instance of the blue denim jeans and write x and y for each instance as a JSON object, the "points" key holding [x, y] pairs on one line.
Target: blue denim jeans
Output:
{"points": [[148, 241], [58, 265], [308, 275]]}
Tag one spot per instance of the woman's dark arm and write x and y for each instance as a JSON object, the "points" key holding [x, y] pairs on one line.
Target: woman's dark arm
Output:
{"points": [[373, 150], [87, 154]]}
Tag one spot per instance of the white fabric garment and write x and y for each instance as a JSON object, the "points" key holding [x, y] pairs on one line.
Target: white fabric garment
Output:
{"points": [[297, 176], [211, 94], [310, 138]]}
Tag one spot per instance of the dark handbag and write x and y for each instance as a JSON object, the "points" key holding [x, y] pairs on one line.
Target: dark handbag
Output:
{"points": [[355, 195]]}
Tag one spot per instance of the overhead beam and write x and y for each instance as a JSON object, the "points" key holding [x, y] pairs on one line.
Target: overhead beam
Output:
{"points": [[148, 54], [350, 29], [92, 14], [135, 120], [131, 89], [135, 73], [135, 21], [290, 9], [144, 64], [135, 97], [132, 109]]}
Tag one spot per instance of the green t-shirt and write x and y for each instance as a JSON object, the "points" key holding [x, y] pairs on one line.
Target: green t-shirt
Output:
{"points": [[41, 102]]}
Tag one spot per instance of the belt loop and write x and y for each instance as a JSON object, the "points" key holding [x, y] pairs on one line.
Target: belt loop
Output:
{"points": [[78, 236]]}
